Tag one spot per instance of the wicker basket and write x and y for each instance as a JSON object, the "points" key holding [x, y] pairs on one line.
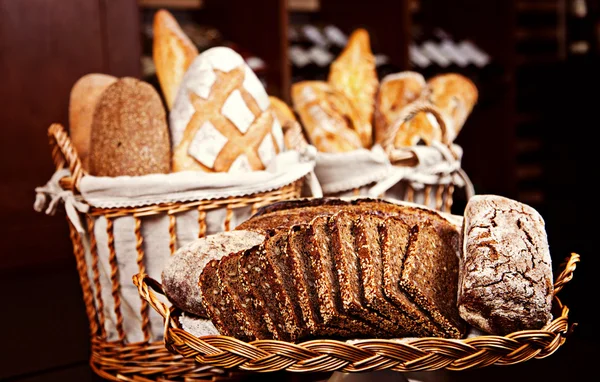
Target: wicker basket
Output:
{"points": [[117, 358], [433, 188], [404, 355]]}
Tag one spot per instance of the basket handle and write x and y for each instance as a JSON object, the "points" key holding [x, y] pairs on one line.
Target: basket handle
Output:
{"points": [[408, 113], [64, 153], [568, 267], [147, 288]]}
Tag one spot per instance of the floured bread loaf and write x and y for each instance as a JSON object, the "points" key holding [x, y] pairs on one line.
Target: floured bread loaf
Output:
{"points": [[329, 118], [129, 135], [354, 75], [172, 52], [396, 91], [222, 119], [82, 104], [506, 281], [293, 135], [455, 95], [181, 274]]}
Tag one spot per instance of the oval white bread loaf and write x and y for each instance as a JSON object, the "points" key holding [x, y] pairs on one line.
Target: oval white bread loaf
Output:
{"points": [[82, 103], [222, 119], [172, 52], [505, 280], [181, 274]]}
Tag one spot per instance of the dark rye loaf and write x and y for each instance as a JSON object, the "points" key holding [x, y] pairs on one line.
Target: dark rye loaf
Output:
{"points": [[218, 305], [249, 314], [299, 262], [396, 237], [328, 289], [506, 271], [348, 267], [371, 263]]}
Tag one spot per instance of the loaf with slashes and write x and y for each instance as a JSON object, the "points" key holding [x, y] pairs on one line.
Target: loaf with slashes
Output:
{"points": [[221, 119]]}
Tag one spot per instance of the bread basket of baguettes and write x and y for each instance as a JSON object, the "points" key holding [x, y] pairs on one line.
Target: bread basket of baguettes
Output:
{"points": [[392, 137], [142, 171], [359, 284]]}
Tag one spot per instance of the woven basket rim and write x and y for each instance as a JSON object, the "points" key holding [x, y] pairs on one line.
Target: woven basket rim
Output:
{"points": [[328, 355]]}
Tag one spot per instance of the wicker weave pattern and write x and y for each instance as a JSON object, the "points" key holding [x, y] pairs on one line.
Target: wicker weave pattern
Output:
{"points": [[414, 354], [143, 361]]}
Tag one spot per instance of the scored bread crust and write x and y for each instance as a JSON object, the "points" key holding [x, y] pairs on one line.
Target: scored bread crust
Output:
{"points": [[354, 74]]}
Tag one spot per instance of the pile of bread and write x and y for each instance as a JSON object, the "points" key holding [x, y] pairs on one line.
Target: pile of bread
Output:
{"points": [[210, 114], [353, 109], [368, 268]]}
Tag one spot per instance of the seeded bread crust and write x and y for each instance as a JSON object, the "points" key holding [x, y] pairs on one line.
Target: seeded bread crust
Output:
{"points": [[328, 289], [430, 278], [258, 278], [348, 269], [275, 255], [396, 237], [257, 322], [299, 259], [368, 243], [217, 304]]}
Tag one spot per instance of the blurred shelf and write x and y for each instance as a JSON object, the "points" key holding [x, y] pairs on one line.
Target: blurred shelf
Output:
{"points": [[173, 4], [304, 5], [537, 6], [544, 34]]}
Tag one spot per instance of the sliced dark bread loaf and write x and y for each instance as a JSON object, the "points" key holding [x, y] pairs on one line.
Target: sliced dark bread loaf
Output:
{"points": [[430, 277], [368, 243], [328, 289], [218, 305], [247, 311], [347, 265], [396, 237], [299, 262], [261, 279]]}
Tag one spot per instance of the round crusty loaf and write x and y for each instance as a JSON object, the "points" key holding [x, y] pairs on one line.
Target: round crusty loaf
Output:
{"points": [[129, 135], [505, 281], [181, 274]]}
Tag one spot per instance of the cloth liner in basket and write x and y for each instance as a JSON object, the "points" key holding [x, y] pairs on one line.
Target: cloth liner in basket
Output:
{"points": [[421, 174], [127, 224]]}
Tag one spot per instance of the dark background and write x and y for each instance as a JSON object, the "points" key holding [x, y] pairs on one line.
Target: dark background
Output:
{"points": [[532, 137]]}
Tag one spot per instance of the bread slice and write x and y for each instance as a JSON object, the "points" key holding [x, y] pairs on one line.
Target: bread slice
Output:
{"points": [[368, 245], [328, 289], [347, 265], [218, 304], [430, 277], [396, 237], [299, 262], [250, 315], [259, 278]]}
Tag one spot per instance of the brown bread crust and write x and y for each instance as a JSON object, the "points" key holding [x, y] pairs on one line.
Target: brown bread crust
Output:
{"points": [[348, 269], [218, 305], [328, 289], [396, 237], [506, 280], [249, 316], [259, 279], [368, 242], [430, 278]]}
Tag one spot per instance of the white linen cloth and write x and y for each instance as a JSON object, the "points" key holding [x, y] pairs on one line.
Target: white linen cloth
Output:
{"points": [[148, 190]]}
